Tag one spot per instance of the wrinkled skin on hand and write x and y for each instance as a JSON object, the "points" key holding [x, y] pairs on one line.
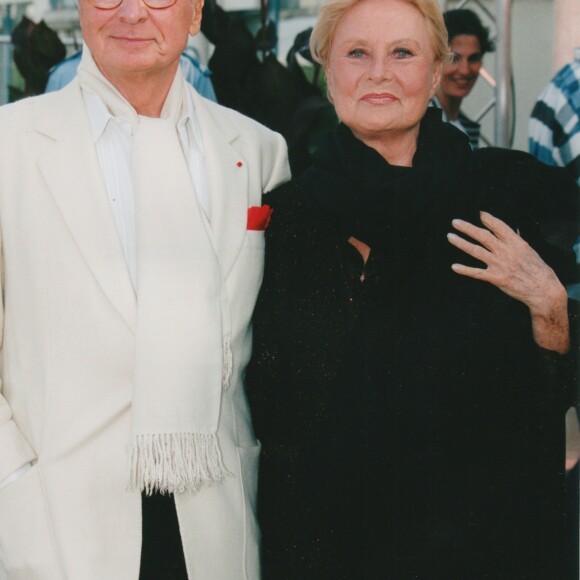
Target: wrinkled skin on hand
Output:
{"points": [[518, 271]]}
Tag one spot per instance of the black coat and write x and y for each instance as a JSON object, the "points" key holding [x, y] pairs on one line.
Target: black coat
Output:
{"points": [[411, 428]]}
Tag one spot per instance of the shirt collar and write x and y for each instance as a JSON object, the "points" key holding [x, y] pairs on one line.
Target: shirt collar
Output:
{"points": [[190, 124], [100, 117], [435, 102]]}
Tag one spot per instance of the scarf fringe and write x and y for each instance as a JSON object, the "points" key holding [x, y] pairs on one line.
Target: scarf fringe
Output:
{"points": [[176, 463]]}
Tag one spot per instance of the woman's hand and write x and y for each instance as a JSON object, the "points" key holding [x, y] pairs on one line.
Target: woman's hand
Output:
{"points": [[516, 269], [364, 251]]}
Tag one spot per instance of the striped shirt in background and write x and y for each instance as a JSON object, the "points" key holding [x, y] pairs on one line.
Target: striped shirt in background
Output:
{"points": [[554, 129]]}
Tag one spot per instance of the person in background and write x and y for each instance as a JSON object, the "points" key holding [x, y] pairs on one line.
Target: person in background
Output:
{"points": [[554, 139], [468, 42], [554, 127], [197, 76], [132, 254], [413, 359], [36, 49]]}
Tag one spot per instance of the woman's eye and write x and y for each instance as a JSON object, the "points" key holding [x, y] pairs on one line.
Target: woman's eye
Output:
{"points": [[357, 53], [402, 53]]}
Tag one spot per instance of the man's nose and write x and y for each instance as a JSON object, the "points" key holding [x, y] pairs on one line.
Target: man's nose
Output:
{"points": [[133, 11]]}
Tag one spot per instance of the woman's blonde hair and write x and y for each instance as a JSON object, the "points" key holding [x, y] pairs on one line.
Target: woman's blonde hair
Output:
{"points": [[333, 11]]}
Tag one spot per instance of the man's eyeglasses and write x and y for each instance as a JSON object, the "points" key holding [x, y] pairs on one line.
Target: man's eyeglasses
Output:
{"points": [[112, 4]]}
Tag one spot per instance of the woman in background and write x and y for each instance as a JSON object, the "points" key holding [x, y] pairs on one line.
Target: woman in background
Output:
{"points": [[409, 383]]}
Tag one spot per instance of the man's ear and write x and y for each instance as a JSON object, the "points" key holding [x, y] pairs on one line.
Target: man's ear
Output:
{"points": [[196, 18]]}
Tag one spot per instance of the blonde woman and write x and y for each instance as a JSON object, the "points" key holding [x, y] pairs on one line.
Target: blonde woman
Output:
{"points": [[410, 349]]}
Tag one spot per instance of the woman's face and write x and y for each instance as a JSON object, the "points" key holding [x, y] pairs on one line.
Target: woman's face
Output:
{"points": [[460, 75], [381, 71]]}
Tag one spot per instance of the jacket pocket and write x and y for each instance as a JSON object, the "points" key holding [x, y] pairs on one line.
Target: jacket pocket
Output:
{"points": [[255, 239], [27, 547]]}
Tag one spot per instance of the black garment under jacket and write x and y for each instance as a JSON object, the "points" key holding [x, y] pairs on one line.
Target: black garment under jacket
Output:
{"points": [[410, 426]]}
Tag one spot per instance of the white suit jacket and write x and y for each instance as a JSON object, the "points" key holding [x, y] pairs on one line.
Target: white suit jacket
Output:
{"points": [[68, 345]]}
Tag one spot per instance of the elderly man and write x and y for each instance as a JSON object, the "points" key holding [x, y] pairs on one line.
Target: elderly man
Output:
{"points": [[132, 246]]}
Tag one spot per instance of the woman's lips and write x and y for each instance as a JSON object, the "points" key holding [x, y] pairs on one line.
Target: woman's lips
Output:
{"points": [[379, 98]]}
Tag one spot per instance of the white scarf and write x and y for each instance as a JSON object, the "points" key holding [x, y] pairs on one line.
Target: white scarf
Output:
{"points": [[182, 354]]}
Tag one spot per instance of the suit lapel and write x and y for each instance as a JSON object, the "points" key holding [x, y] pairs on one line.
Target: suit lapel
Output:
{"points": [[71, 170], [227, 181]]}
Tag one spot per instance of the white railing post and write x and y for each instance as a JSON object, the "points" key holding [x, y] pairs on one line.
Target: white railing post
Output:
{"points": [[503, 89]]}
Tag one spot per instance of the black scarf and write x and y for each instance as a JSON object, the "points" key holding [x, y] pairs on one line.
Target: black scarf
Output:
{"points": [[378, 203]]}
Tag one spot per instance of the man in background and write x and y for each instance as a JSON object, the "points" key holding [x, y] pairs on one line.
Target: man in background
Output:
{"points": [[554, 128], [554, 138], [198, 76], [468, 42]]}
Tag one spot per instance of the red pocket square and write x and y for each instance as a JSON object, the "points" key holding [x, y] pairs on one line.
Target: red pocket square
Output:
{"points": [[259, 217]]}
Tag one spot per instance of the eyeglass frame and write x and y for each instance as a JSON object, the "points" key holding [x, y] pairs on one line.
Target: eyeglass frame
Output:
{"points": [[90, 3]]}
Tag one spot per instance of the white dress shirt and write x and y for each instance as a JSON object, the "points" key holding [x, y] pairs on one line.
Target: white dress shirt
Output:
{"points": [[113, 142]]}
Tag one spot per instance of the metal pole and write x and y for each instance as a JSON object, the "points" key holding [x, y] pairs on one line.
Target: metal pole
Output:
{"points": [[5, 67], [503, 92], [8, 26]]}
